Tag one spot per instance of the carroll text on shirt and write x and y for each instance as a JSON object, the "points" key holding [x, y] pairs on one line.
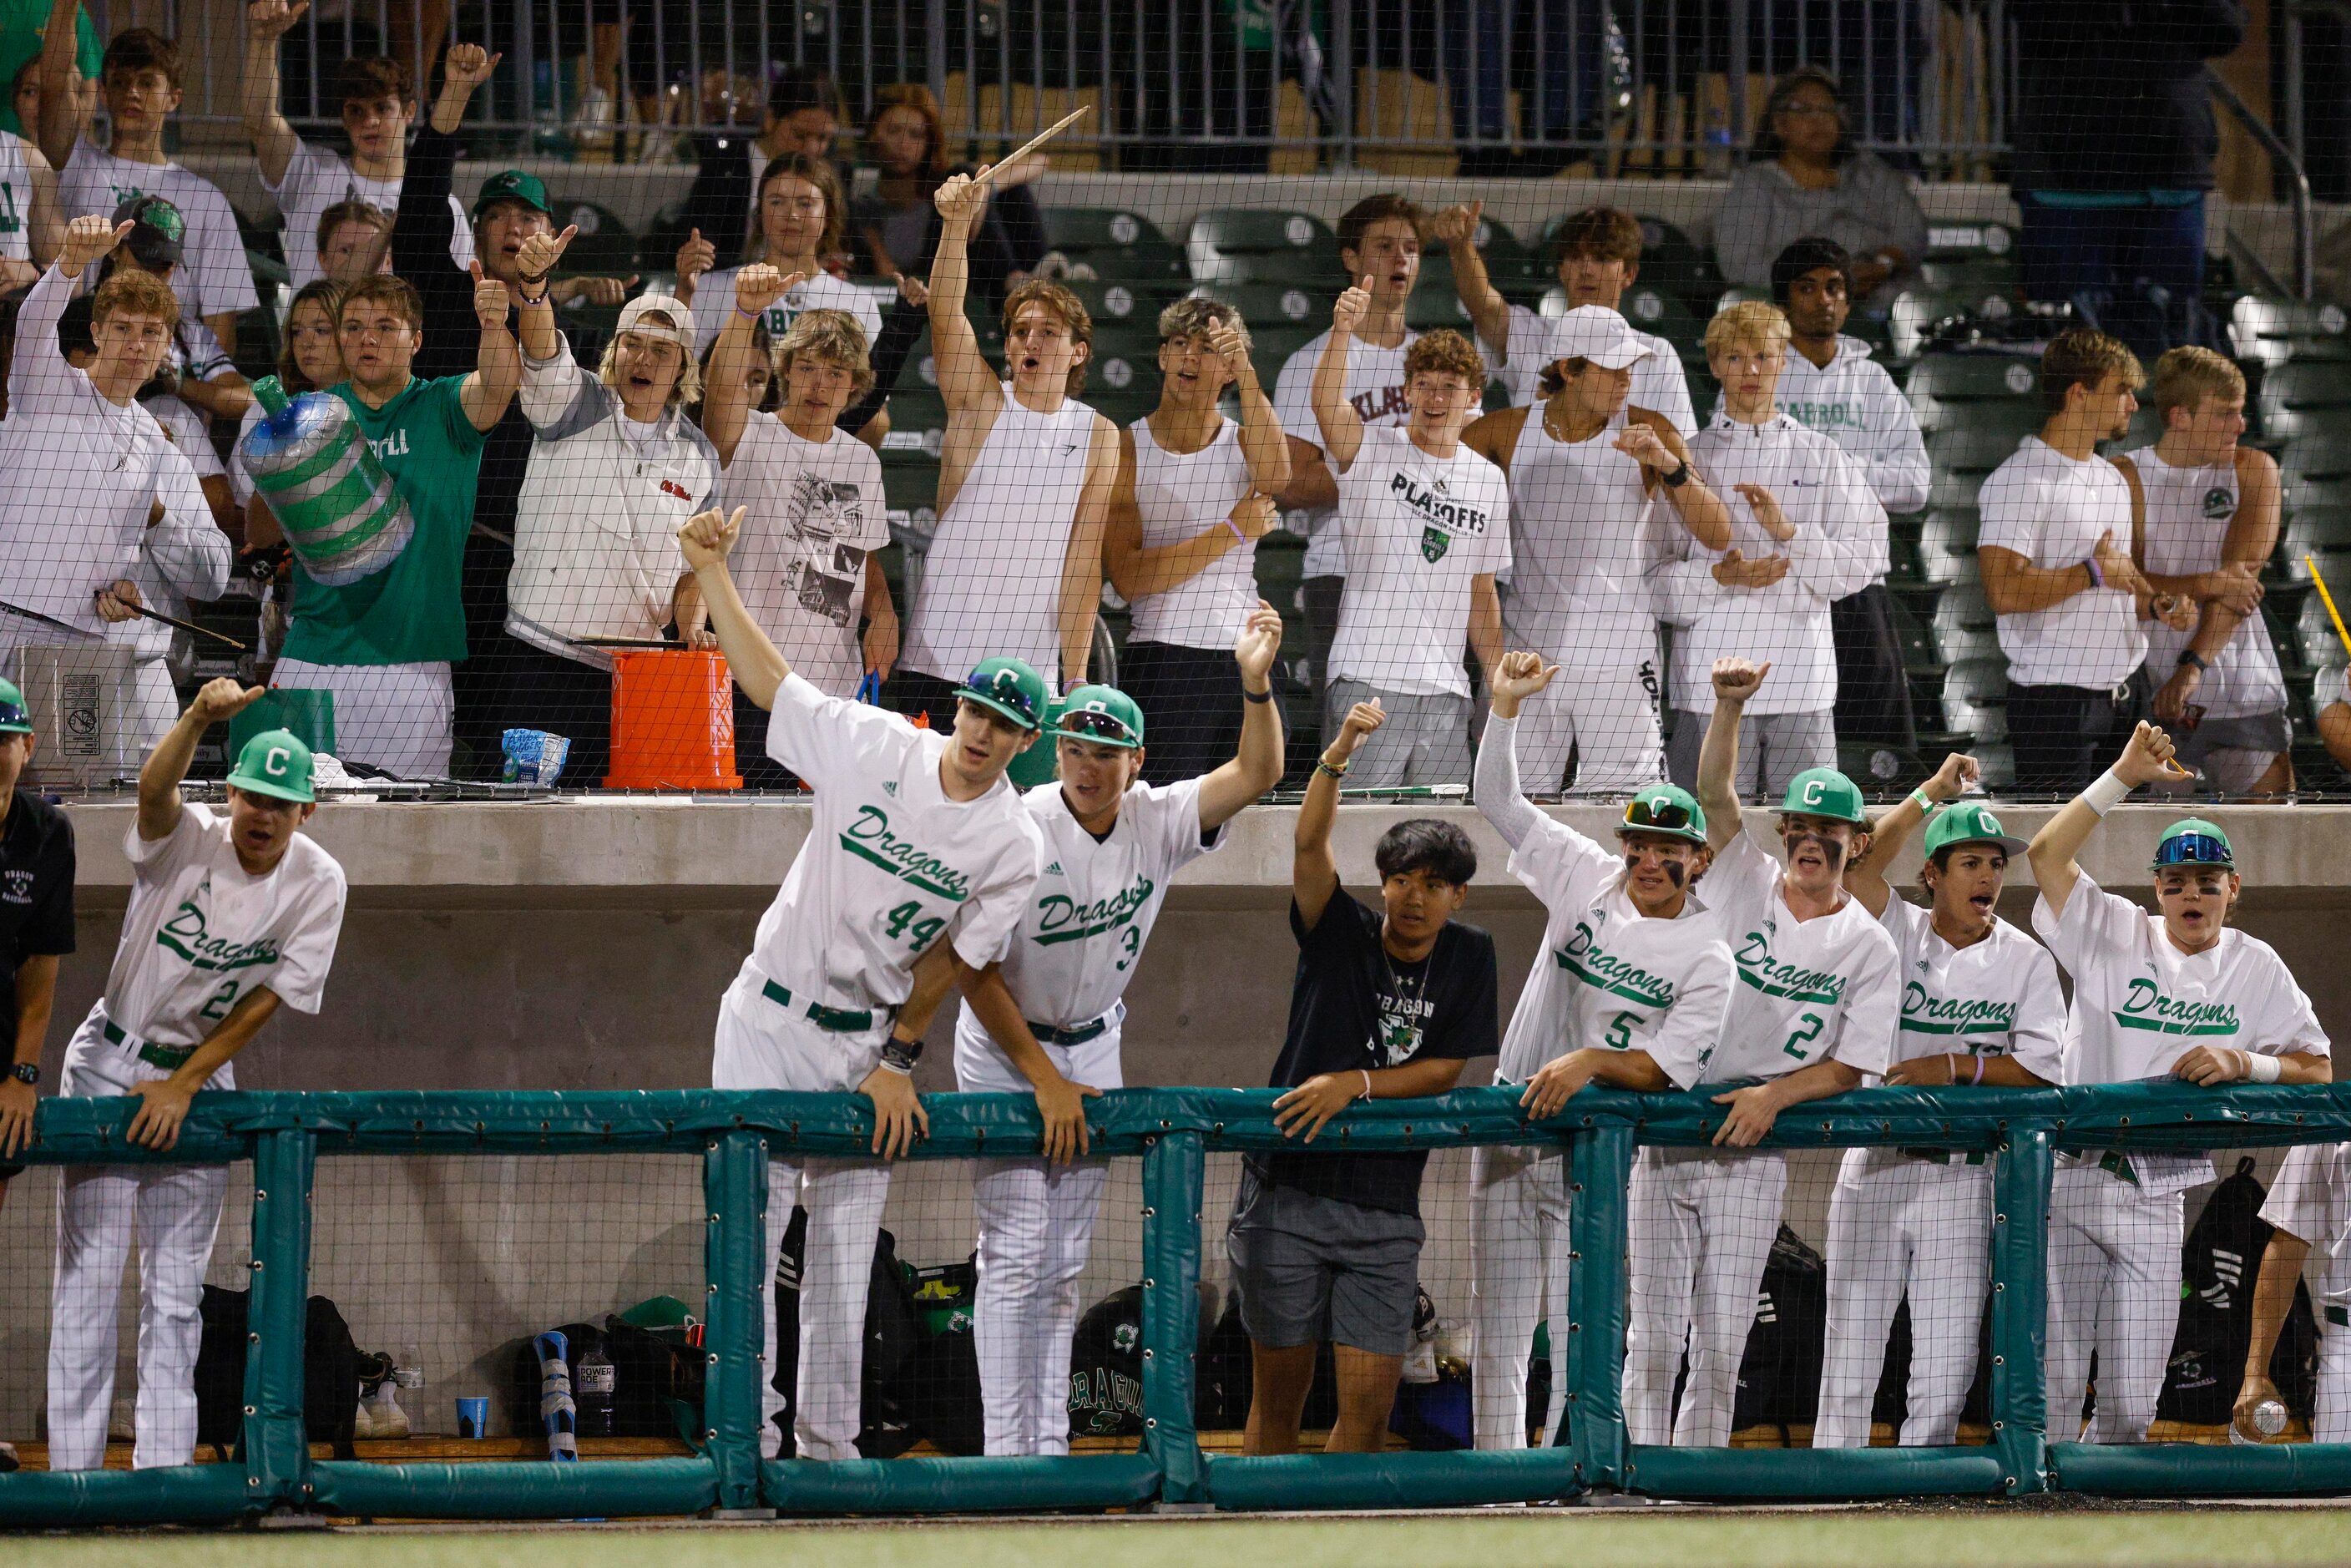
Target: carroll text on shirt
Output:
{"points": [[1926, 1013], [1759, 969], [393, 445], [1061, 919], [2146, 1007], [870, 838], [185, 933], [1826, 415], [1584, 957], [1434, 506]]}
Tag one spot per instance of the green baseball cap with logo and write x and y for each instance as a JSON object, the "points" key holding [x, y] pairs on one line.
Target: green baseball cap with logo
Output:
{"points": [[1011, 687], [512, 185], [16, 718], [1665, 809], [274, 763], [1103, 715], [1823, 792], [2192, 841], [1970, 822]]}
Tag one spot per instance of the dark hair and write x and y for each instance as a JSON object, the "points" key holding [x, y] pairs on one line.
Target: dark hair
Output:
{"points": [[2080, 357], [804, 87], [328, 294], [16, 83], [383, 288], [1811, 254], [817, 171], [1767, 142], [1425, 844], [370, 79], [1612, 233], [76, 332], [1357, 219], [141, 49], [916, 98]]}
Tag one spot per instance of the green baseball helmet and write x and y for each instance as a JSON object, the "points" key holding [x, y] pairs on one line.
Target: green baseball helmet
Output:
{"points": [[1823, 792], [277, 763], [1971, 823], [1011, 687], [16, 718], [1665, 809], [512, 185], [1103, 715], [2192, 841]]}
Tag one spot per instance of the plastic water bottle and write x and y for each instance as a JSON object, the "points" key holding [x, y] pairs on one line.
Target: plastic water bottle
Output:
{"points": [[2268, 1419], [309, 458], [592, 1385]]}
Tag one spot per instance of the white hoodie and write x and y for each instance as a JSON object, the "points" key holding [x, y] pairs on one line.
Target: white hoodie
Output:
{"points": [[1838, 548], [1853, 402]]}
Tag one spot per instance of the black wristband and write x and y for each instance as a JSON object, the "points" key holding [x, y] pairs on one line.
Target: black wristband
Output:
{"points": [[1677, 479], [2190, 656], [530, 278], [899, 1055], [1264, 696]]}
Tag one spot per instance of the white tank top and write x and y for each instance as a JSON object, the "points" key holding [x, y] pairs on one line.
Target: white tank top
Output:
{"points": [[2187, 514], [1178, 495], [992, 578], [1582, 534], [15, 199]]}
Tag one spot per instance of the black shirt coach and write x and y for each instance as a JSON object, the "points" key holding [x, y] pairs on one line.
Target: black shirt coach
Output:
{"points": [[36, 912]]}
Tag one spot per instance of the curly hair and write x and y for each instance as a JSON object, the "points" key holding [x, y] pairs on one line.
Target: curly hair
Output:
{"points": [[131, 292], [1197, 316], [1445, 352]]}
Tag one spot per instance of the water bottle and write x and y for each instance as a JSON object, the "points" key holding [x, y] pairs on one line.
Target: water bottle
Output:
{"points": [[592, 1388], [2268, 1419], [312, 463]]}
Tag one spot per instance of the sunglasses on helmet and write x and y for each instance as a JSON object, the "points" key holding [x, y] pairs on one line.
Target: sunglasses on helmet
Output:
{"points": [[1665, 816], [2193, 848], [1101, 725]]}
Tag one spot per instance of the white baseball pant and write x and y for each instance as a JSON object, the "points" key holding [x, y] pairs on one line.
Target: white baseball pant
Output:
{"points": [[1702, 1226], [761, 1044], [1036, 1227], [2114, 1287], [1603, 712], [1923, 1229], [393, 716], [2331, 1424], [1518, 1264]]}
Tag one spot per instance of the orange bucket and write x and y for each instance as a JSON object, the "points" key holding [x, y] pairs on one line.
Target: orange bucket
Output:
{"points": [[672, 721]]}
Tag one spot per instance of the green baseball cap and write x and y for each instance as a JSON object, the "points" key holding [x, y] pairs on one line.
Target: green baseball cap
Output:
{"points": [[1971, 823], [274, 763], [1665, 809], [512, 185], [2192, 841], [16, 718], [1823, 792], [1011, 687], [1103, 715]]}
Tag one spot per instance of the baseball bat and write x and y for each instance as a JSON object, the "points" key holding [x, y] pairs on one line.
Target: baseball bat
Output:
{"points": [[622, 642], [2328, 600], [1036, 141]]}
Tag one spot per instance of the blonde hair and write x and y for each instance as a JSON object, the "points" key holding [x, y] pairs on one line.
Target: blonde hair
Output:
{"points": [[833, 337], [1750, 323], [1445, 352], [2185, 377], [688, 385], [1197, 316]]}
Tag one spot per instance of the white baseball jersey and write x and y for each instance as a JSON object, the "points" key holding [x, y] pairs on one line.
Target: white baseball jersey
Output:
{"points": [[2310, 1200], [1418, 529], [1084, 927], [2140, 1004], [713, 297], [890, 863], [1584, 533], [2189, 511], [1609, 976], [1659, 384], [992, 578], [1809, 990], [214, 278], [1177, 495], [2052, 510], [316, 178], [1853, 401], [815, 514], [16, 199], [201, 934]]}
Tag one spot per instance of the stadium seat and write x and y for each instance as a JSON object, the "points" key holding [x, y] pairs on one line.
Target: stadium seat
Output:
{"points": [[1946, 546], [2273, 331], [2322, 531], [1433, 304], [1273, 303], [2310, 443], [1116, 243], [1918, 309], [1998, 761], [1976, 274], [1673, 262], [2303, 387], [2315, 631], [605, 243], [1138, 300], [1975, 698], [1977, 390], [1969, 242], [1241, 244]]}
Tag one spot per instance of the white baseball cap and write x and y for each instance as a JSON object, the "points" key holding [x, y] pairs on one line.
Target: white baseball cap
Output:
{"points": [[1597, 333], [677, 329]]}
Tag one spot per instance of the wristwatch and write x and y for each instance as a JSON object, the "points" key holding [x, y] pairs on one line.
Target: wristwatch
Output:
{"points": [[899, 1054], [2190, 656], [26, 1072]]}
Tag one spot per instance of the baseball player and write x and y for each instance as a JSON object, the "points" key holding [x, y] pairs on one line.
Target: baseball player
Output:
{"points": [[1633, 970], [2309, 1205], [1814, 1011], [916, 835], [230, 914], [2176, 993], [1053, 1006], [1979, 1005]]}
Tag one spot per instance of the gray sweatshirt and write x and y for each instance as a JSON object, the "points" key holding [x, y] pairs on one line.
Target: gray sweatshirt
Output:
{"points": [[1764, 211]]}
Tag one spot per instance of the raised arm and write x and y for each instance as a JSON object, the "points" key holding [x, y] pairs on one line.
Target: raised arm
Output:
{"points": [[541, 340], [274, 142], [463, 70], [725, 398], [1081, 562], [2145, 758], [1264, 447], [1865, 878], [1256, 766], [1456, 228], [1735, 681], [64, 110], [1650, 440], [1313, 874], [758, 667], [966, 378], [1510, 682], [497, 371], [1341, 428], [159, 776]]}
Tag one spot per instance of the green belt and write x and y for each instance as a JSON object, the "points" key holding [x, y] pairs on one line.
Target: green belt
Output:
{"points": [[2116, 1163], [2339, 1316], [169, 1058], [1048, 1035], [1941, 1156], [839, 1020]]}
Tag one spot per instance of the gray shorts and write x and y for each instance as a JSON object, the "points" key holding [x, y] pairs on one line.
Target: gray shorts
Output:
{"points": [[2260, 734], [1309, 1268], [1773, 747], [1425, 741]]}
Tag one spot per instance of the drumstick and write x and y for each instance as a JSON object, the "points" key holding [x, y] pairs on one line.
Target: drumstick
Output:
{"points": [[183, 625], [2332, 613], [1035, 142]]}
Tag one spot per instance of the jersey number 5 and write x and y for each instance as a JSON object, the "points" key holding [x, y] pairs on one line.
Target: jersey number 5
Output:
{"points": [[1620, 1030], [905, 922]]}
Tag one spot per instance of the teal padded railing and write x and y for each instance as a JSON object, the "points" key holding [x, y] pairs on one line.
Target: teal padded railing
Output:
{"points": [[1172, 1131]]}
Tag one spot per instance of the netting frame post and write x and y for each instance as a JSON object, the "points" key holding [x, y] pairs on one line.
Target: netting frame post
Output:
{"points": [[2022, 1169], [1174, 1173], [736, 1276], [275, 1443], [1600, 1165]]}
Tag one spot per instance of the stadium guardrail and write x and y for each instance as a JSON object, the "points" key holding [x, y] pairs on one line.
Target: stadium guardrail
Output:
{"points": [[1171, 1131]]}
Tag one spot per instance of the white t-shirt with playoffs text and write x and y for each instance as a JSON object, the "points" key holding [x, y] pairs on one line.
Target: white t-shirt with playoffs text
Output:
{"points": [[1418, 530]]}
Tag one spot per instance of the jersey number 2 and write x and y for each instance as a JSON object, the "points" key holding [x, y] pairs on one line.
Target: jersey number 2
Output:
{"points": [[1805, 1036], [217, 1005], [905, 922]]}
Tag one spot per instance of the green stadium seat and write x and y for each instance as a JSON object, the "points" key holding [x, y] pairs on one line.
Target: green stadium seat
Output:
{"points": [[1431, 307], [1114, 241], [1975, 698], [1904, 570], [1271, 347], [1268, 305], [2315, 531], [1970, 448], [1969, 242], [1917, 638], [1665, 313], [1970, 275], [2314, 629], [1241, 244], [2301, 386], [2273, 331], [605, 243], [1918, 309], [1136, 300], [1976, 390], [1672, 261], [1946, 546]]}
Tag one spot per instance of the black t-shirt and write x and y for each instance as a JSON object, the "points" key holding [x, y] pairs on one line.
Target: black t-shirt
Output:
{"points": [[36, 883], [1352, 1007]]}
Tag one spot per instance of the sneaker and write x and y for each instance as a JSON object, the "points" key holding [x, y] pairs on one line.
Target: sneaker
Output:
{"points": [[362, 1424]]}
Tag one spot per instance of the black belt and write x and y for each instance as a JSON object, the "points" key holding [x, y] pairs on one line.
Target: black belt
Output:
{"points": [[169, 1058], [1077, 1034], [839, 1020], [1941, 1156]]}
